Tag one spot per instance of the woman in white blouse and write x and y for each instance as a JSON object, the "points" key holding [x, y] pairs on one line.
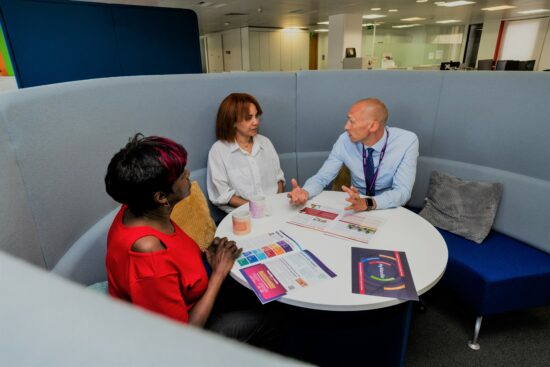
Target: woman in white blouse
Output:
{"points": [[242, 163]]}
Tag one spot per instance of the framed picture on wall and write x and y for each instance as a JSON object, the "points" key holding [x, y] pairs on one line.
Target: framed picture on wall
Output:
{"points": [[350, 52]]}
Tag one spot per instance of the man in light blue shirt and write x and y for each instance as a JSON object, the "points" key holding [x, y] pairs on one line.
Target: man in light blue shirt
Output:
{"points": [[382, 161]]}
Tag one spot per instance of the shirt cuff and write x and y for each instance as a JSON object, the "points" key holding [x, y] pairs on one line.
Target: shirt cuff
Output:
{"points": [[312, 190], [223, 199], [382, 202]]}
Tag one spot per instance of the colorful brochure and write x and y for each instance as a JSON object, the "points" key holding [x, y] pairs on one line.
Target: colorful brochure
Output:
{"points": [[354, 226], [381, 273], [263, 283], [264, 247], [279, 266]]}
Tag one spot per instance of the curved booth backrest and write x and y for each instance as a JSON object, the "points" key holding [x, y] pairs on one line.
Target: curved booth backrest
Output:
{"points": [[525, 200], [65, 134], [47, 321], [477, 126], [84, 261], [323, 101], [17, 232], [57, 141]]}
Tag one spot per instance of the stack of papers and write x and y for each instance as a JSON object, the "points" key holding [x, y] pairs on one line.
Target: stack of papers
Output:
{"points": [[274, 264], [354, 226]]}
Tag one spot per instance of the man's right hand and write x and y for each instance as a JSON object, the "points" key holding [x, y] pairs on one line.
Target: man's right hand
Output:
{"points": [[297, 196]]}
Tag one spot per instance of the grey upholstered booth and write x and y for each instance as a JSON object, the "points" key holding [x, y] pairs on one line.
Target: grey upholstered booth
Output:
{"points": [[56, 141], [477, 126]]}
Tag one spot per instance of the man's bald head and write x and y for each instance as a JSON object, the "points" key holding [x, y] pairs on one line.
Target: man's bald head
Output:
{"points": [[373, 109]]}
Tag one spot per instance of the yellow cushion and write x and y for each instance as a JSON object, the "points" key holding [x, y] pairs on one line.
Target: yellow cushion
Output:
{"points": [[343, 178], [193, 217]]}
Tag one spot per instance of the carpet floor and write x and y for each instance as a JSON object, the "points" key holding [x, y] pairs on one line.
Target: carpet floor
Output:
{"points": [[439, 335]]}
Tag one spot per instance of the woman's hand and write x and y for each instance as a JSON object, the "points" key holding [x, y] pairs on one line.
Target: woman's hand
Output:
{"points": [[221, 255]]}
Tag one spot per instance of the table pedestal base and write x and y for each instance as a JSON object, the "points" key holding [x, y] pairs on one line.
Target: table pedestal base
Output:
{"points": [[374, 337]]}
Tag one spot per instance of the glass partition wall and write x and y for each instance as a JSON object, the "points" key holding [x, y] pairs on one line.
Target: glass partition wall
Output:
{"points": [[414, 47], [383, 47]]}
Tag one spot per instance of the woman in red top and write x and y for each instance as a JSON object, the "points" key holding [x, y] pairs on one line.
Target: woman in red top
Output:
{"points": [[151, 262]]}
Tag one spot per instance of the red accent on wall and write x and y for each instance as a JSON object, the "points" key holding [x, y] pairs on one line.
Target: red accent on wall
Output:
{"points": [[3, 70], [499, 40]]}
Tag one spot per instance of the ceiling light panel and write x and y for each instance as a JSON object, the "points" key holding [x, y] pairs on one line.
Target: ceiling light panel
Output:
{"points": [[412, 19], [534, 11], [405, 25], [373, 16], [452, 4], [500, 7]]}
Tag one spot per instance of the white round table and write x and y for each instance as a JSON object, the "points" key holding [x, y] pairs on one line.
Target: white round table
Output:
{"points": [[402, 230]]}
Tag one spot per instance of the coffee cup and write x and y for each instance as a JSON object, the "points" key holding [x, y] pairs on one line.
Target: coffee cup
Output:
{"points": [[241, 222], [257, 205]]}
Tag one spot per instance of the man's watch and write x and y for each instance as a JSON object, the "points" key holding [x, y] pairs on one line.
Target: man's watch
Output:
{"points": [[370, 203]]}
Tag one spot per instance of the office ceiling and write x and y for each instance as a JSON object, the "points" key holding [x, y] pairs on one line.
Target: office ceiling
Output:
{"points": [[218, 15]]}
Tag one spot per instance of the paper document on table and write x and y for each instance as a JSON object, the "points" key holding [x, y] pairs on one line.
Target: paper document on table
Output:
{"points": [[264, 247], [315, 216], [275, 264], [382, 273], [355, 226], [299, 270]]}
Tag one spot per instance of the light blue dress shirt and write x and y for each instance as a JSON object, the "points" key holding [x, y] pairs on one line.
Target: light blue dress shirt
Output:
{"points": [[396, 173]]}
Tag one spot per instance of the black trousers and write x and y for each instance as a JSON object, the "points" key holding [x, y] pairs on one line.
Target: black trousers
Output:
{"points": [[238, 314]]}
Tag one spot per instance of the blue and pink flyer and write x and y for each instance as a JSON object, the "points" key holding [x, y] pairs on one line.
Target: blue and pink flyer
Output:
{"points": [[382, 273]]}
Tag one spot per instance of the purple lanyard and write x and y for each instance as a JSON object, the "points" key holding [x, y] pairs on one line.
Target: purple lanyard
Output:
{"points": [[369, 185]]}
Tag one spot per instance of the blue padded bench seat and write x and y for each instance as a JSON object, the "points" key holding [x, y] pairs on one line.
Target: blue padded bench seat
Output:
{"points": [[499, 275]]}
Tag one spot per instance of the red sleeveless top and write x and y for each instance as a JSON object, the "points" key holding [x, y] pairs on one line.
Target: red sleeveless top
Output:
{"points": [[168, 282]]}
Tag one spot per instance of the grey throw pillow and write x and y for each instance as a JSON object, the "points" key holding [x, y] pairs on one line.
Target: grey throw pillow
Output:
{"points": [[465, 208]]}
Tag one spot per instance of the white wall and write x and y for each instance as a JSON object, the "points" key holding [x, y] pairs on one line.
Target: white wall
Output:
{"points": [[523, 39], [7, 83], [232, 49], [258, 49], [214, 52], [265, 50], [322, 51], [245, 49], [345, 31], [294, 50], [489, 35], [544, 62], [278, 50]]}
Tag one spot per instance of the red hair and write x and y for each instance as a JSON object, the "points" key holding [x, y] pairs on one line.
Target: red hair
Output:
{"points": [[171, 155]]}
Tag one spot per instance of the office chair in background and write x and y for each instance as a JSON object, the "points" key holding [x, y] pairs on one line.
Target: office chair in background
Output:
{"points": [[485, 64], [528, 65], [512, 65], [500, 65], [507, 65], [450, 65]]}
